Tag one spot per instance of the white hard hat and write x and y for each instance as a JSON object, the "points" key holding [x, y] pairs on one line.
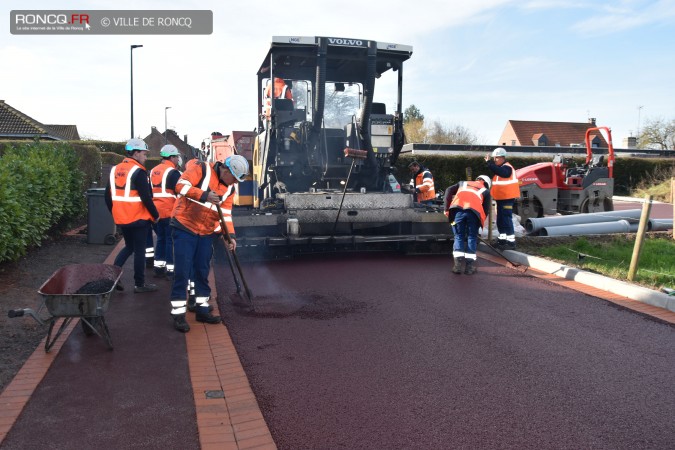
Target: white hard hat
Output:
{"points": [[238, 166], [499, 152], [136, 144], [169, 150], [486, 180]]}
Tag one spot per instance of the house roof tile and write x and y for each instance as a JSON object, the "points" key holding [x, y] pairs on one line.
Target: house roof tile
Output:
{"points": [[15, 124], [68, 132], [557, 133]]}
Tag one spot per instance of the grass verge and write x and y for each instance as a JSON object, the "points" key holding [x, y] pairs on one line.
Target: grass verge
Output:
{"points": [[612, 255]]}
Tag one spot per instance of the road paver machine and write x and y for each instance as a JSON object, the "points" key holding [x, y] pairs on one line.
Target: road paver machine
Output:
{"points": [[323, 162]]}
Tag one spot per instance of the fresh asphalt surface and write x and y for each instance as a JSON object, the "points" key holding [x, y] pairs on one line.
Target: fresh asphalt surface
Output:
{"points": [[382, 351], [375, 351]]}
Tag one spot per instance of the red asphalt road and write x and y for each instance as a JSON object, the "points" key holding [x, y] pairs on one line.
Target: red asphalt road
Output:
{"points": [[385, 351], [658, 211]]}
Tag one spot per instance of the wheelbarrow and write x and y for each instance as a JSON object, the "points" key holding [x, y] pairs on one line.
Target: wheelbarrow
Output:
{"points": [[76, 291]]}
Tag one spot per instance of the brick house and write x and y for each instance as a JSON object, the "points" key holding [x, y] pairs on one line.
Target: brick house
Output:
{"points": [[157, 140], [554, 134]]}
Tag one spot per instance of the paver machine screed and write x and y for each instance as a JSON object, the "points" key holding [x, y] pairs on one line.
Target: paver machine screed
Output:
{"points": [[323, 161], [563, 187]]}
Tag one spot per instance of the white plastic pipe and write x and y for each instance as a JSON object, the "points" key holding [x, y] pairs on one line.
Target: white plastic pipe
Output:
{"points": [[535, 224], [660, 224], [620, 226]]}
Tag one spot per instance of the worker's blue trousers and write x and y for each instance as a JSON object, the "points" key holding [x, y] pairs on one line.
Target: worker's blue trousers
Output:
{"points": [[134, 243], [466, 232], [191, 251], [505, 217]]}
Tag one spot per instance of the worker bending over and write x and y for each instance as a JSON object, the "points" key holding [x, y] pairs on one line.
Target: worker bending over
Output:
{"points": [[467, 205], [196, 225]]}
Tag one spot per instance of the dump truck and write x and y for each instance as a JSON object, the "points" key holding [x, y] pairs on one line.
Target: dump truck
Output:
{"points": [[564, 187], [323, 162]]}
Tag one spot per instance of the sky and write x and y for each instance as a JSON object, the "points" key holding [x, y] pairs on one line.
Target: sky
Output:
{"points": [[476, 64]]}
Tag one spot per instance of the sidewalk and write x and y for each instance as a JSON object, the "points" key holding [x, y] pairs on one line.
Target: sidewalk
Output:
{"points": [[157, 389]]}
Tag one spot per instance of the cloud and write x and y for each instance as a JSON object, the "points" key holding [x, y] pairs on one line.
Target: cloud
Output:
{"points": [[612, 19]]}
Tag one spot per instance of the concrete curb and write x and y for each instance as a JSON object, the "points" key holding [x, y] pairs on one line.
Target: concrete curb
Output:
{"points": [[622, 288]]}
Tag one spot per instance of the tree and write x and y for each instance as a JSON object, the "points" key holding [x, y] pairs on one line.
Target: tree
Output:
{"points": [[415, 131], [657, 133], [411, 113], [439, 133]]}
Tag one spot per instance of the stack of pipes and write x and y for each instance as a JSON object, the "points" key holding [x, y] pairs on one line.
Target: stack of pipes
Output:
{"points": [[605, 222]]}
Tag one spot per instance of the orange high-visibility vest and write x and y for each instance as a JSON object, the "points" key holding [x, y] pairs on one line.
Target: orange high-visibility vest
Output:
{"points": [[280, 91], [470, 196], [163, 197], [202, 217], [424, 181], [505, 188], [127, 205]]}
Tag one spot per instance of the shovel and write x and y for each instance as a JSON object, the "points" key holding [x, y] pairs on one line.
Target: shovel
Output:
{"points": [[232, 257]]}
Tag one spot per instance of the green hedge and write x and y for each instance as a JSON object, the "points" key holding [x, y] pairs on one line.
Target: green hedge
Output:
{"points": [[40, 186]]}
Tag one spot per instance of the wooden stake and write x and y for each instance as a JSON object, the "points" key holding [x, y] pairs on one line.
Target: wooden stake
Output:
{"points": [[642, 229]]}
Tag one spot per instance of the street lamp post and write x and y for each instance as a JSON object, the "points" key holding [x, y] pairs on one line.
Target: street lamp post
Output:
{"points": [[166, 127], [638, 127], [132, 88]]}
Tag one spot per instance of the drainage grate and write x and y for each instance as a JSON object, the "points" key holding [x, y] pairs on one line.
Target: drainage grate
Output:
{"points": [[214, 394]]}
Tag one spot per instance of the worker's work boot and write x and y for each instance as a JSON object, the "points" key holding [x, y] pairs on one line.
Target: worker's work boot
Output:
{"points": [[509, 245], [457, 268], [160, 272], [192, 304], [147, 287], [470, 267], [180, 324], [499, 243], [203, 315]]}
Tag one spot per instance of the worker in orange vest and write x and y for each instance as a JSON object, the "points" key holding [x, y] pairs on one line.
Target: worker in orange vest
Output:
{"points": [[129, 198], [467, 205], [196, 225], [505, 191], [281, 90], [163, 178], [423, 183]]}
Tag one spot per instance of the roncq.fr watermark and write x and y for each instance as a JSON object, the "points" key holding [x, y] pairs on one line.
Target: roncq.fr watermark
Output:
{"points": [[85, 22]]}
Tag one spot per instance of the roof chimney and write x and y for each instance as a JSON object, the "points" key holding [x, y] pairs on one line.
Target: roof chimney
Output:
{"points": [[185, 138], [591, 120]]}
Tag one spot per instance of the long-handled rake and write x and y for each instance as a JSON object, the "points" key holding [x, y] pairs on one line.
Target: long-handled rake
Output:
{"points": [[237, 274]]}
